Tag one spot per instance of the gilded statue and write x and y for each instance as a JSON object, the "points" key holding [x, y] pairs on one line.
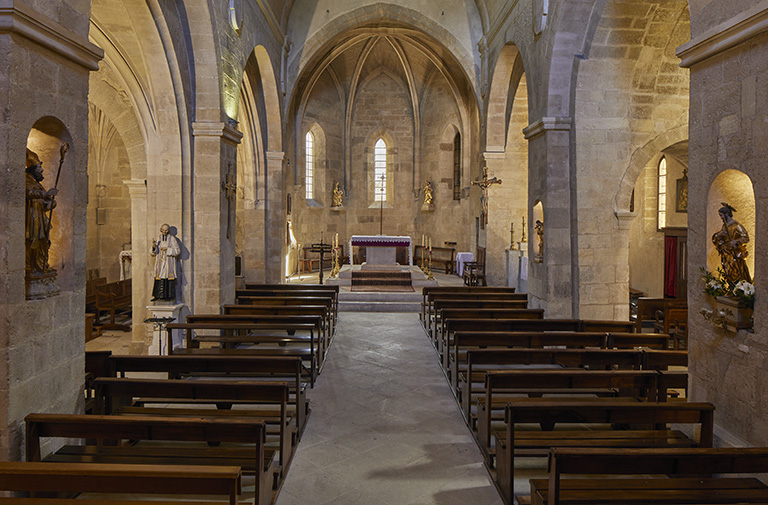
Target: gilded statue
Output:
{"points": [[539, 227], [39, 206], [731, 244], [428, 195], [338, 196]]}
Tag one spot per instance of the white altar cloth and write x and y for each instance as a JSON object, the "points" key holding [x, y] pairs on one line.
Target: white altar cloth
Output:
{"points": [[381, 241]]}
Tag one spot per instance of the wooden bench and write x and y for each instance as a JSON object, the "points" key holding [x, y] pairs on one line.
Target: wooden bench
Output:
{"points": [[512, 443], [474, 271], [252, 289], [326, 301], [439, 304], [172, 443], [323, 318], [230, 334], [288, 369], [442, 257], [55, 478], [428, 293], [647, 307], [113, 297], [204, 398], [463, 341], [653, 476], [503, 386]]}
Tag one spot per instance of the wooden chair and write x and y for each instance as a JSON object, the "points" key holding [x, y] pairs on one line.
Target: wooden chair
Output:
{"points": [[474, 271]]}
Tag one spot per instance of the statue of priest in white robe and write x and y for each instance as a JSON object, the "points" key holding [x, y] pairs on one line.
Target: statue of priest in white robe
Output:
{"points": [[165, 249]]}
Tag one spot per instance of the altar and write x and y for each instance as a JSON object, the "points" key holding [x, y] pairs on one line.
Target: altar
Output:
{"points": [[380, 249]]}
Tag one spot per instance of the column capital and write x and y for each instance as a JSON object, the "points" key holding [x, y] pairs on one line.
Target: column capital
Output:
{"points": [[545, 124], [625, 218], [137, 188], [275, 155], [228, 133]]}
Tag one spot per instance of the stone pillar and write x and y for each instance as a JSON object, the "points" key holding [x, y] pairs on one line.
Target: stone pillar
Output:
{"points": [[551, 283], [44, 67], [140, 264], [213, 278], [275, 217]]}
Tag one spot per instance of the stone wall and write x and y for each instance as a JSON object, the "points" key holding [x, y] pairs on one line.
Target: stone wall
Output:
{"points": [[728, 104], [41, 348]]}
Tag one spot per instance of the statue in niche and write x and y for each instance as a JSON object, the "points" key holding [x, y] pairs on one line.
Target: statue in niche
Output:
{"points": [[731, 244], [165, 249], [338, 196], [39, 207], [428, 193], [539, 227]]}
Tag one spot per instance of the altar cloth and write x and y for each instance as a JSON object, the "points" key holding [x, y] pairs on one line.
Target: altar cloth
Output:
{"points": [[381, 241]]}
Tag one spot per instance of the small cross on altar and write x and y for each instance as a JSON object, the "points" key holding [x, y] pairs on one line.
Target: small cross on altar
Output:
{"points": [[484, 184], [229, 186]]}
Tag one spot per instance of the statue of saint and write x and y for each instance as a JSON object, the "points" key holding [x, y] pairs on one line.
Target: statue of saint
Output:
{"points": [[731, 244], [338, 196], [539, 227], [428, 196], [165, 249], [40, 203]]}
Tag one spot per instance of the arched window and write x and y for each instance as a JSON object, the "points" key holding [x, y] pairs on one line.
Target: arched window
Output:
{"points": [[662, 213], [309, 172], [380, 171], [457, 166]]}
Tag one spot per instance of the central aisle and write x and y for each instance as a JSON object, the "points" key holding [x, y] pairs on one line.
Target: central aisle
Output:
{"points": [[385, 428]]}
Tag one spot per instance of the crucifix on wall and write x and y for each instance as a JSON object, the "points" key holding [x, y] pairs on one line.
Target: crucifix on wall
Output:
{"points": [[229, 186], [484, 184]]}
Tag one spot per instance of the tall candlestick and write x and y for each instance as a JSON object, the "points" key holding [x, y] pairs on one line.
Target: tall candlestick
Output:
{"points": [[430, 244]]}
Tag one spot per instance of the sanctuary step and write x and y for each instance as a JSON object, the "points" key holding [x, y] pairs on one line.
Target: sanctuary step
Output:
{"points": [[381, 278], [379, 302]]}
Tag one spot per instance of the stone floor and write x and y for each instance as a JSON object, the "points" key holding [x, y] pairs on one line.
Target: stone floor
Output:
{"points": [[385, 428]]}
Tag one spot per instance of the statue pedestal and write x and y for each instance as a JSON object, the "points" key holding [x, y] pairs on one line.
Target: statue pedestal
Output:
{"points": [[41, 285], [428, 207], [159, 345], [517, 267]]}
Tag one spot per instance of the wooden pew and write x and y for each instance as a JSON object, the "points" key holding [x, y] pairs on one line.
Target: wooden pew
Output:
{"points": [[442, 257], [479, 302], [203, 398], [259, 289], [647, 307], [429, 293], [512, 443], [503, 386], [465, 340], [113, 297], [479, 361], [107, 436], [232, 333], [287, 369], [48, 478], [691, 480], [292, 300], [321, 311]]}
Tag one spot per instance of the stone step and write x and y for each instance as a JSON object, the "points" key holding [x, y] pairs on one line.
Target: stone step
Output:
{"points": [[397, 296], [364, 306]]}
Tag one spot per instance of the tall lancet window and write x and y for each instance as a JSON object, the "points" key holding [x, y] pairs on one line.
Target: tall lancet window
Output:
{"points": [[457, 166], [309, 172], [380, 170], [662, 193]]}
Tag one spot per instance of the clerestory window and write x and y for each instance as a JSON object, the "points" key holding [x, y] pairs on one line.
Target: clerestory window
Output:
{"points": [[309, 165], [380, 171]]}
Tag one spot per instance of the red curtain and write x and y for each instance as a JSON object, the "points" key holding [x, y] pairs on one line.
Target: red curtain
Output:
{"points": [[670, 267]]}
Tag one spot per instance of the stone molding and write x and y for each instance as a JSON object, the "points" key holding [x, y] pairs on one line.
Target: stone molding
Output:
{"points": [[17, 18], [226, 132], [494, 155], [137, 188], [625, 218], [501, 21], [275, 156], [724, 36], [545, 124]]}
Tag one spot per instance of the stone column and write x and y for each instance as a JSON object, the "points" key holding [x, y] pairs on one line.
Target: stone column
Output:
{"points": [[552, 282], [44, 68], [140, 264], [275, 217], [213, 278]]}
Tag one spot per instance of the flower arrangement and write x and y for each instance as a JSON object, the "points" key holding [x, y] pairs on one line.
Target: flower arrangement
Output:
{"points": [[716, 284]]}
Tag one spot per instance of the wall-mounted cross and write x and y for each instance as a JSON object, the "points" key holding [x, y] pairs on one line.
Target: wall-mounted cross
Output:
{"points": [[229, 186], [484, 184]]}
